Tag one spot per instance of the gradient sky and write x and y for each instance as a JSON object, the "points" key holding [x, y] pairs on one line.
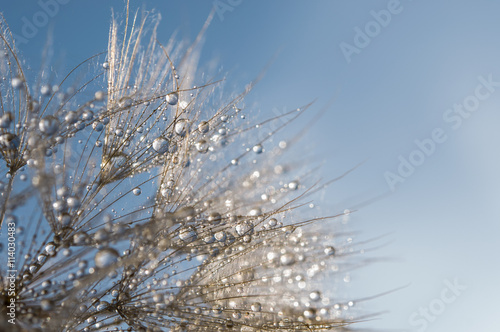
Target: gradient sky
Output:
{"points": [[443, 220]]}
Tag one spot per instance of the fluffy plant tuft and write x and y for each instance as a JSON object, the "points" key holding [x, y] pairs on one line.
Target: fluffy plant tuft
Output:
{"points": [[137, 196]]}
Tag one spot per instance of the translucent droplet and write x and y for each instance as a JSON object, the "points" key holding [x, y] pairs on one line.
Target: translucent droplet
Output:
{"points": [[256, 307], [172, 98], [201, 146], [287, 259], [315, 296], [181, 127], [17, 83], [294, 185], [106, 257], [188, 235], [73, 202], [71, 117], [273, 222], [245, 228], [81, 238], [47, 305], [48, 125], [136, 191], [214, 218], [257, 148], [87, 115], [160, 145], [330, 251], [204, 127]]}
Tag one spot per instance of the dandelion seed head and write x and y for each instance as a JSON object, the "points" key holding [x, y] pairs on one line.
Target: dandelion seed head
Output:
{"points": [[142, 156]]}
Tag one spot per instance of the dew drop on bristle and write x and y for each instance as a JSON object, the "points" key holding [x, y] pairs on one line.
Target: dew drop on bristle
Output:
{"points": [[17, 83], [201, 146], [48, 125], [330, 251], [106, 257], [204, 127], [172, 98], [137, 191], [181, 127], [257, 148], [160, 145]]}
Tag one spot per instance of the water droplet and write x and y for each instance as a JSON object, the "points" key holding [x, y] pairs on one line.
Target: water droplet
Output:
{"points": [[17, 83], [315, 296], [181, 127], [172, 98], [87, 115], [136, 191], [330, 251], [160, 145], [81, 238], [48, 125], [245, 228], [73, 202], [188, 234], [257, 148], [214, 218], [106, 257], [202, 146], [287, 259], [47, 305], [71, 117], [294, 185], [204, 127], [273, 222], [256, 307]]}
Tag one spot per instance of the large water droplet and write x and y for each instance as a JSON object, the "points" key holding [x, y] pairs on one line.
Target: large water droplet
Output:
{"points": [[172, 98], [106, 257], [201, 146], [160, 145], [204, 127], [48, 125], [181, 127]]}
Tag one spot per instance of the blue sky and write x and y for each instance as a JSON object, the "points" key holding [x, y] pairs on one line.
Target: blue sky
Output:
{"points": [[443, 220]]}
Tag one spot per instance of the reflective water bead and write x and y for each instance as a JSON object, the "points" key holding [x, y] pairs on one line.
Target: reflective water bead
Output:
{"points": [[106, 257], [315, 296], [64, 219], [204, 127], [172, 98], [48, 125], [214, 218], [99, 95], [287, 259], [330, 251], [97, 126], [17, 83], [181, 127], [71, 117], [201, 146], [137, 191], [256, 307], [257, 148], [294, 185], [73, 202], [160, 145], [188, 235]]}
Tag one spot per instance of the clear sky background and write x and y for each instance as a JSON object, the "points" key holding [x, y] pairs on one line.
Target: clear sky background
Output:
{"points": [[443, 220]]}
